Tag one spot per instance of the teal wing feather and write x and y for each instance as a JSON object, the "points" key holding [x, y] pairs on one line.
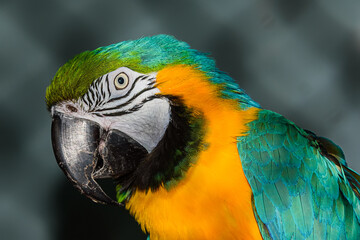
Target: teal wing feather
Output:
{"points": [[302, 187]]}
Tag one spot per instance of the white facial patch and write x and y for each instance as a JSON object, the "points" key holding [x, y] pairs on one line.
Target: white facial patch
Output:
{"points": [[147, 125], [131, 107], [103, 96]]}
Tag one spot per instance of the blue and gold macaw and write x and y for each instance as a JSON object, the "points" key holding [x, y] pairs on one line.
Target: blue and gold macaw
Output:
{"points": [[192, 155]]}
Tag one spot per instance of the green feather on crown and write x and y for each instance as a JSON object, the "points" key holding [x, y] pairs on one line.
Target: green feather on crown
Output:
{"points": [[148, 54]]}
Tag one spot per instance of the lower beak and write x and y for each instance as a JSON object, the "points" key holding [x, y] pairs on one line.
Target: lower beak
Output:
{"points": [[84, 151]]}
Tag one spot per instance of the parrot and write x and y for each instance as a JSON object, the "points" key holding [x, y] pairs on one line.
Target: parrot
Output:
{"points": [[191, 155]]}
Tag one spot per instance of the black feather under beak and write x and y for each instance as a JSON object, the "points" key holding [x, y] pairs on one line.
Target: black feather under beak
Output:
{"points": [[85, 152]]}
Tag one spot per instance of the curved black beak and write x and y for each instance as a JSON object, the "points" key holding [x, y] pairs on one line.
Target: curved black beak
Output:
{"points": [[84, 151]]}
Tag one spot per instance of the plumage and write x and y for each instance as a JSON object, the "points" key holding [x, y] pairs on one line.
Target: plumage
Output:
{"points": [[318, 193], [210, 162]]}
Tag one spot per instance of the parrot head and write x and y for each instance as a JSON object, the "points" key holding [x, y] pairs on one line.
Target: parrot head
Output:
{"points": [[136, 112]]}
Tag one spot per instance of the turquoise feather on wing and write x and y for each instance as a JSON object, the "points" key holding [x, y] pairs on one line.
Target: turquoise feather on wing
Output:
{"points": [[302, 188]]}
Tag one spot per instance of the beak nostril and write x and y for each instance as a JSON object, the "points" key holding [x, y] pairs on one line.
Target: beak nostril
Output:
{"points": [[71, 108]]}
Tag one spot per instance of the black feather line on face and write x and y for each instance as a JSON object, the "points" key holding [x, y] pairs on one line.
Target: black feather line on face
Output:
{"points": [[127, 102], [174, 154], [129, 91]]}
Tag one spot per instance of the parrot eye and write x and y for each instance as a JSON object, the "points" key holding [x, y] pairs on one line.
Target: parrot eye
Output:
{"points": [[121, 81]]}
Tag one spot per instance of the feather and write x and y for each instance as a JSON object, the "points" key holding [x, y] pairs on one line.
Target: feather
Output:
{"points": [[278, 195], [304, 178], [265, 208], [302, 212]]}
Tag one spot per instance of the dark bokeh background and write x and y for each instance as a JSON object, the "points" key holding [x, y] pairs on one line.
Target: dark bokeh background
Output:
{"points": [[299, 58]]}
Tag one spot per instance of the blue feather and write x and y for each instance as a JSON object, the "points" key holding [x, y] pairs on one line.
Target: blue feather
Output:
{"points": [[301, 191]]}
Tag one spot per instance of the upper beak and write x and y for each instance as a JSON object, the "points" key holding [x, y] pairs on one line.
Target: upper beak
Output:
{"points": [[84, 151]]}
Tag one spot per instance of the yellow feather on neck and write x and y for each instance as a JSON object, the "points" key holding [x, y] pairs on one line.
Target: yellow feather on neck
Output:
{"points": [[213, 200]]}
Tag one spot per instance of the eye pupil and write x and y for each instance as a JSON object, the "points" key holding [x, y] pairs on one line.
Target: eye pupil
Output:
{"points": [[121, 80]]}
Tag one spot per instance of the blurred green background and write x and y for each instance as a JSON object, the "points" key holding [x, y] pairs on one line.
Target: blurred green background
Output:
{"points": [[300, 58]]}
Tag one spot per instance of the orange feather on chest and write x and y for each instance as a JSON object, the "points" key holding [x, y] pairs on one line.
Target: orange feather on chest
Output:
{"points": [[213, 200]]}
